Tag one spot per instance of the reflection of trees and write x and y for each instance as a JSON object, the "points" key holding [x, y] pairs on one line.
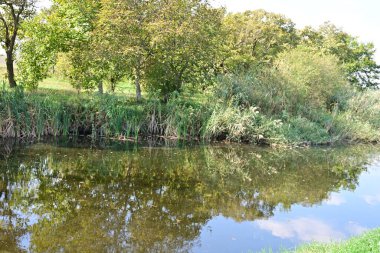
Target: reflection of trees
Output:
{"points": [[157, 199], [12, 223], [6, 147]]}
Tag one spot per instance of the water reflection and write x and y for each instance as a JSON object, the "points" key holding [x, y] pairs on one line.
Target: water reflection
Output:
{"points": [[57, 199], [305, 229], [372, 200]]}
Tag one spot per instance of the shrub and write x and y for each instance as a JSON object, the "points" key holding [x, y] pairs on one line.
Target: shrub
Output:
{"points": [[242, 125], [300, 130], [258, 88], [301, 81], [361, 119], [366, 106], [311, 79]]}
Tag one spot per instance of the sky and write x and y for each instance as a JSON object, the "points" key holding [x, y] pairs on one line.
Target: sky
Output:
{"points": [[360, 18]]}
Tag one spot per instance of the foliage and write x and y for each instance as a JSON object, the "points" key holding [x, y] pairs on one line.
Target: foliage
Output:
{"points": [[262, 88], [269, 81], [34, 115], [366, 106], [303, 80], [246, 125], [310, 79], [123, 32], [162, 45], [254, 38], [307, 92], [302, 130], [63, 28], [356, 58], [360, 120], [185, 45]]}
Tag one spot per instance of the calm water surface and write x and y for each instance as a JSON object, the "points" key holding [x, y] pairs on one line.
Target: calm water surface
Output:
{"points": [[70, 198]]}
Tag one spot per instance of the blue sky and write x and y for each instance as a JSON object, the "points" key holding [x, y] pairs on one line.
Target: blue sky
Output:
{"points": [[360, 18]]}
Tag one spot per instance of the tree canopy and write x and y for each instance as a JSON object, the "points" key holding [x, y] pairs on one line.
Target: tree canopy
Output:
{"points": [[163, 46], [356, 58]]}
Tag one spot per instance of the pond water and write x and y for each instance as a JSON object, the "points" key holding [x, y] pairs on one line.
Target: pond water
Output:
{"points": [[64, 197]]}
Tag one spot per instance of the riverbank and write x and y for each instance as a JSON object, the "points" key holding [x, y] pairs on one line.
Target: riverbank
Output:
{"points": [[369, 242], [37, 115]]}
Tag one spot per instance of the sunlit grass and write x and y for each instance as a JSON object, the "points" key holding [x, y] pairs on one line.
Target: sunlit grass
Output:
{"points": [[56, 84], [369, 242]]}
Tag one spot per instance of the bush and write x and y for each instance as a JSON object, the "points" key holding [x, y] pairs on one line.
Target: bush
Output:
{"points": [[361, 119], [260, 88], [301, 130], [301, 81], [311, 79], [366, 107], [242, 125]]}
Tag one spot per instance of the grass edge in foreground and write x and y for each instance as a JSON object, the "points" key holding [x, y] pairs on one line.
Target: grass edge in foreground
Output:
{"points": [[369, 242]]}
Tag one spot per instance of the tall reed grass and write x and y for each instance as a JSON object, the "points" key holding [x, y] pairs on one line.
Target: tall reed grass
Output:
{"points": [[31, 115], [36, 115]]}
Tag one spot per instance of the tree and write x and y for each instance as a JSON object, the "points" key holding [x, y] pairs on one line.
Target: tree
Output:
{"points": [[255, 38], [123, 33], [356, 58], [186, 41], [12, 15], [64, 28], [164, 43]]}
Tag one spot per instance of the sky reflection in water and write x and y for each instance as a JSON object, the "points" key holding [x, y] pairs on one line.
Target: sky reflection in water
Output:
{"points": [[342, 215]]}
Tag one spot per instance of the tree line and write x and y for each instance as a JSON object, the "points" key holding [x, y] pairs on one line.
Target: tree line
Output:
{"points": [[162, 45]]}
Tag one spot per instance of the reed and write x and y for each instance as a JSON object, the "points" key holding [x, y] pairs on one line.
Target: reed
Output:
{"points": [[38, 115], [31, 115]]}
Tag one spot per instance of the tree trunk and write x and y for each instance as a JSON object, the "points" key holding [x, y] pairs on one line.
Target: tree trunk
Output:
{"points": [[10, 70], [100, 87], [113, 85], [137, 84]]}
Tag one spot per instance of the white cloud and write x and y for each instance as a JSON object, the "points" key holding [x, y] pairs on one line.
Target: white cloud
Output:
{"points": [[304, 229], [335, 200], [356, 229], [372, 199]]}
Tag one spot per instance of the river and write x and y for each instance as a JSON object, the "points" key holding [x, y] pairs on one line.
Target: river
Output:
{"points": [[122, 197]]}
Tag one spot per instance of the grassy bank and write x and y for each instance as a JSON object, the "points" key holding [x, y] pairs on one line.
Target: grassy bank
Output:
{"points": [[62, 113], [58, 113], [369, 242]]}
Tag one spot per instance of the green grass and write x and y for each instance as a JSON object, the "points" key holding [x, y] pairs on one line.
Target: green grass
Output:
{"points": [[52, 83], [367, 243], [126, 88]]}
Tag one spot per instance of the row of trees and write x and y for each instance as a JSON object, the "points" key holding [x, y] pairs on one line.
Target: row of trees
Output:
{"points": [[164, 45]]}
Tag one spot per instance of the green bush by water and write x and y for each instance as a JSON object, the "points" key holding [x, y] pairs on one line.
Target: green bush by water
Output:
{"points": [[307, 94]]}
